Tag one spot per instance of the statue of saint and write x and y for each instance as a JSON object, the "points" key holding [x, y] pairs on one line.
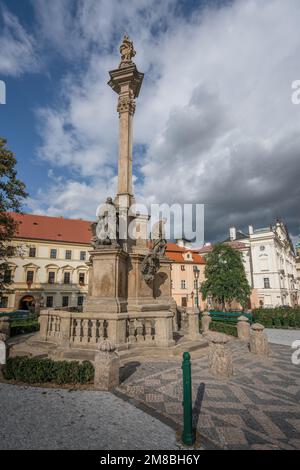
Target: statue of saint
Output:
{"points": [[106, 229], [127, 52], [151, 264], [158, 236]]}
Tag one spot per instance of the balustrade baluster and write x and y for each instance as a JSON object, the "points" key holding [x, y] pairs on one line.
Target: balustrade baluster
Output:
{"points": [[131, 337], [85, 330], [140, 331], [93, 338], [77, 338], [101, 330], [148, 330]]}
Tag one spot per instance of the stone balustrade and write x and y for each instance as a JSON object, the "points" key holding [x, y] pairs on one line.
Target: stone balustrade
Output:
{"points": [[87, 330]]}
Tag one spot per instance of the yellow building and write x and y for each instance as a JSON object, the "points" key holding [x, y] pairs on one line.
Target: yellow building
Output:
{"points": [[47, 265], [187, 275]]}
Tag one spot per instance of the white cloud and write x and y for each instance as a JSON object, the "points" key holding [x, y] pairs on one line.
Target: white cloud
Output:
{"points": [[17, 53], [214, 114]]}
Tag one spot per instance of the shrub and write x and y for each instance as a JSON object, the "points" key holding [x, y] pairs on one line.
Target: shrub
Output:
{"points": [[280, 317], [21, 327], [35, 370], [227, 328]]}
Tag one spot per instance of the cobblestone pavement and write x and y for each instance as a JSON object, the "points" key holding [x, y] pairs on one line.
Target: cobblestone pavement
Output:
{"points": [[43, 418], [281, 336], [258, 408]]}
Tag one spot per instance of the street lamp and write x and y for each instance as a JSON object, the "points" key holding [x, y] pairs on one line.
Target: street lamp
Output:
{"points": [[196, 275]]}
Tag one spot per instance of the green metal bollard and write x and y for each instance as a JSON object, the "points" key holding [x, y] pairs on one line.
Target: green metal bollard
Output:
{"points": [[188, 437]]}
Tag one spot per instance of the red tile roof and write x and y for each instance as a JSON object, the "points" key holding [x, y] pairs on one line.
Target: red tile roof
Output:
{"points": [[42, 227], [175, 253]]}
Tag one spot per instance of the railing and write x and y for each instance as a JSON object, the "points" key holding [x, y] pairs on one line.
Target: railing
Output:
{"points": [[53, 327], [140, 330], [74, 329], [87, 331]]}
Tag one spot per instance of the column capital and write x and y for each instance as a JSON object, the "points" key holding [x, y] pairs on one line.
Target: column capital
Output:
{"points": [[126, 104]]}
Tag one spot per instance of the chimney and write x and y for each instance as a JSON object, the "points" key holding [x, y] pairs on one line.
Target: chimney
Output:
{"points": [[232, 233], [251, 230]]}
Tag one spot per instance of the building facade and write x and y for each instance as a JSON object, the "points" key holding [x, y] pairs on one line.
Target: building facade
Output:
{"points": [[270, 264], [48, 263], [187, 274]]}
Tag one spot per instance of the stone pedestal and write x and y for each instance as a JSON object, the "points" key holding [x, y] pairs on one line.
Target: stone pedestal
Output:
{"points": [[5, 325], [243, 329], [193, 324], [220, 358], [107, 366], [258, 340], [205, 322], [108, 281]]}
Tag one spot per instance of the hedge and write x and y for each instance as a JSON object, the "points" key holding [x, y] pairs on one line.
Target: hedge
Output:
{"points": [[21, 327], [35, 370], [227, 328], [280, 317]]}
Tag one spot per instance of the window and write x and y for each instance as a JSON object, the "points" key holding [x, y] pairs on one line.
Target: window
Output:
{"points": [[68, 254], [3, 302], [49, 302], [183, 301], [32, 252], [266, 283], [53, 253], [182, 267], [183, 285], [10, 251], [7, 276], [29, 276], [81, 278], [51, 277], [67, 278], [65, 301], [80, 300], [83, 255]]}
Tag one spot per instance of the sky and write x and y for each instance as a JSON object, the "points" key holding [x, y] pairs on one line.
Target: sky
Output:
{"points": [[214, 123]]}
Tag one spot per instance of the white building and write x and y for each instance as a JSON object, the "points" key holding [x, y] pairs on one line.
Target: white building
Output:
{"points": [[270, 264]]}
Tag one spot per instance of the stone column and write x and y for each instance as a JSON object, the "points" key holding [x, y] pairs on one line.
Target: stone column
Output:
{"points": [[164, 331], [205, 322], [258, 340], [65, 328], [5, 325], [43, 321], [193, 323], [220, 358], [126, 81], [243, 328], [107, 366]]}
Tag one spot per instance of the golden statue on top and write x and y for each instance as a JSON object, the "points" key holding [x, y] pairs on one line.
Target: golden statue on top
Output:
{"points": [[127, 52]]}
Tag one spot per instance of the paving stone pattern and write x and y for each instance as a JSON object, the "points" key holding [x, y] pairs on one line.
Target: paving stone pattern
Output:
{"points": [[258, 408]]}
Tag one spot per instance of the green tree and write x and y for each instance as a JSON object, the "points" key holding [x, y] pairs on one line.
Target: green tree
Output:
{"points": [[225, 276], [12, 192]]}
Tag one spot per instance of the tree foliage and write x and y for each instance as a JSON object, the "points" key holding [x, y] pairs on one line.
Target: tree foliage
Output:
{"points": [[225, 276], [12, 192]]}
